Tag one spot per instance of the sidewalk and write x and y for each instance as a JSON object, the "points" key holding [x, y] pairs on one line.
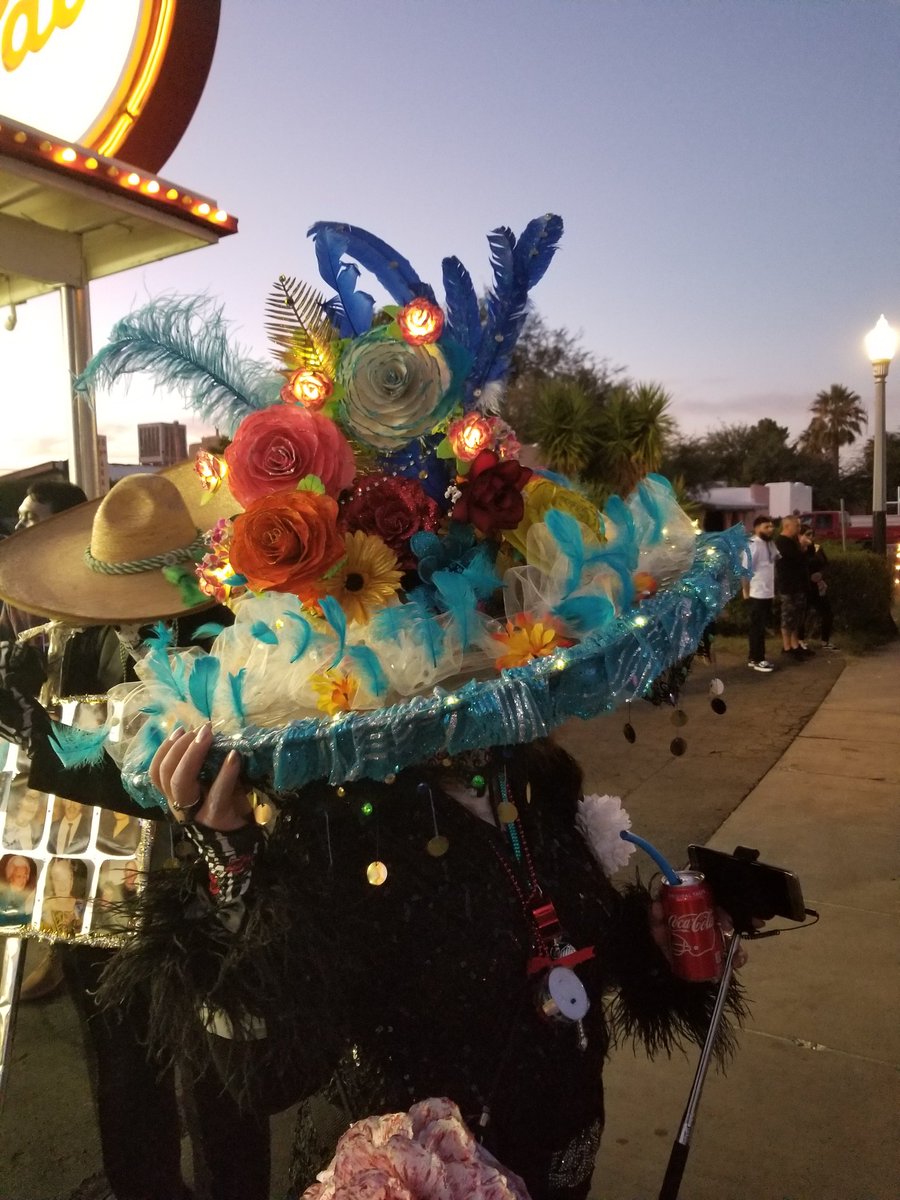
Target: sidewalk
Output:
{"points": [[808, 1110]]}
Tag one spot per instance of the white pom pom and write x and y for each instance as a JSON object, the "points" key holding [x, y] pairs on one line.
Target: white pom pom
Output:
{"points": [[600, 820]]}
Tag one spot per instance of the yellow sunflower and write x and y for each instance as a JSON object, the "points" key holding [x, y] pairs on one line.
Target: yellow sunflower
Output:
{"points": [[336, 691], [367, 578]]}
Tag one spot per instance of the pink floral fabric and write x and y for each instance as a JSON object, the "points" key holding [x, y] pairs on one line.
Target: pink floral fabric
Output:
{"points": [[426, 1154]]}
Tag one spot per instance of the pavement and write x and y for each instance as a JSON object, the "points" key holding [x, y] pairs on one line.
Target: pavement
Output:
{"points": [[805, 766], [808, 1109]]}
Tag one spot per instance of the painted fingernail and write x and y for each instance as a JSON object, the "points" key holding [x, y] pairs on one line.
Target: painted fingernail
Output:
{"points": [[175, 734], [204, 732], [232, 756]]}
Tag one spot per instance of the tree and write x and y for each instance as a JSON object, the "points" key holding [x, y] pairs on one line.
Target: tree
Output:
{"points": [[838, 419], [544, 355]]}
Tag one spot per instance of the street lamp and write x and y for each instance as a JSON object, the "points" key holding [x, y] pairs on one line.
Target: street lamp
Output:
{"points": [[881, 343]]}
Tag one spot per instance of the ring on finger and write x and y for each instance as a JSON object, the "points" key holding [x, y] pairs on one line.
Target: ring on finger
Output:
{"points": [[186, 808]]}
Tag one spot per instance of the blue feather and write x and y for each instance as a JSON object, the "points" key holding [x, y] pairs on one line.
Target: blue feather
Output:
{"points": [[480, 574], [567, 534], [202, 684], [351, 310], [463, 317], [585, 614], [183, 343], [148, 741], [303, 630], [78, 747], [458, 597], [264, 633], [370, 669], [211, 629], [391, 269], [517, 267], [535, 248], [168, 675], [160, 635], [236, 686], [334, 615], [620, 515]]}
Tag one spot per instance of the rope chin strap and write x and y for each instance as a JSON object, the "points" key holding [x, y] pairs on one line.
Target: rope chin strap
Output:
{"points": [[137, 566]]}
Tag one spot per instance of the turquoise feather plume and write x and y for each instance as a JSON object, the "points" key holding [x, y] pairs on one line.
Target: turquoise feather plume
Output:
{"points": [[182, 341], [458, 598], [264, 633], [202, 684], [78, 747], [370, 670], [236, 690], [303, 630], [334, 615]]}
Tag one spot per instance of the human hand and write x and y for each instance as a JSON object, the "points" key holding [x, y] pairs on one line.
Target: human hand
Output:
{"points": [[222, 805]]}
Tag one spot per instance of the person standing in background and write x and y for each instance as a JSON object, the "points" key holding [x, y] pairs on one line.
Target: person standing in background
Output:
{"points": [[817, 595], [792, 585], [759, 591]]}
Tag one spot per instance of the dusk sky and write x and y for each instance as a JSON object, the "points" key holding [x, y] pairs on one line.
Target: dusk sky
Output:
{"points": [[727, 171]]}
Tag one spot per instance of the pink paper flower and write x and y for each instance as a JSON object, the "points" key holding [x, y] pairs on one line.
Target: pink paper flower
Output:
{"points": [[277, 447], [425, 1154]]}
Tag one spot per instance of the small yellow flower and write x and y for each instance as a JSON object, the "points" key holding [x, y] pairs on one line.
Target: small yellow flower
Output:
{"points": [[540, 495], [525, 640], [336, 691], [367, 578]]}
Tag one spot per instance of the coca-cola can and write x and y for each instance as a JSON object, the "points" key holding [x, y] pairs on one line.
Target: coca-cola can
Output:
{"points": [[695, 938]]}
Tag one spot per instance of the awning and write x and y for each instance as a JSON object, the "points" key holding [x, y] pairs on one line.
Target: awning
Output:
{"points": [[68, 216]]}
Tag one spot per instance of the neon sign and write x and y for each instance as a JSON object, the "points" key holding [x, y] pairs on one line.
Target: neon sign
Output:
{"points": [[121, 77]]}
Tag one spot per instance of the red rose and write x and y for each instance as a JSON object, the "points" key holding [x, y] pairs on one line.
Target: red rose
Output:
{"points": [[394, 508], [276, 447], [492, 495]]}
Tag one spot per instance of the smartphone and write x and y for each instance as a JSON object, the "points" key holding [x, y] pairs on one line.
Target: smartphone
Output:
{"points": [[743, 885]]}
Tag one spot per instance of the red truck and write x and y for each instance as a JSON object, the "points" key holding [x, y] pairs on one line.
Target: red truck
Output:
{"points": [[826, 526]]}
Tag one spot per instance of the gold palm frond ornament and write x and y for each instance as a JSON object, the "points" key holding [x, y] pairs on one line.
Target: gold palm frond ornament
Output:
{"points": [[299, 329]]}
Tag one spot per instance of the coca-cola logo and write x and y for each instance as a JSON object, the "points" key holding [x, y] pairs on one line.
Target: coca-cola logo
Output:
{"points": [[692, 922], [682, 948]]}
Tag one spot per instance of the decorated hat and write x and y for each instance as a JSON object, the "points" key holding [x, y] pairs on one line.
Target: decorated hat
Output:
{"points": [[404, 586], [125, 558]]}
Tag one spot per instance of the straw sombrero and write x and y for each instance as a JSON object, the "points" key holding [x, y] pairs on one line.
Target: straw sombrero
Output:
{"points": [[404, 586], [125, 558]]}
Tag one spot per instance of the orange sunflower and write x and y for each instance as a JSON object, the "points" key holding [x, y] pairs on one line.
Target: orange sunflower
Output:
{"points": [[525, 639]]}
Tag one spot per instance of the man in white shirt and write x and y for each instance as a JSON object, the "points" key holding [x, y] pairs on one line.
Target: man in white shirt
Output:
{"points": [[759, 590]]}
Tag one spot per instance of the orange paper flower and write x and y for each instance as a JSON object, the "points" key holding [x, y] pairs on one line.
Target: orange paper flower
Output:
{"points": [[286, 541], [308, 388], [420, 322], [525, 639]]}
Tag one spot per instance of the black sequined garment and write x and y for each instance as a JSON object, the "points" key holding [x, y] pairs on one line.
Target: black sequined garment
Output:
{"points": [[374, 997]]}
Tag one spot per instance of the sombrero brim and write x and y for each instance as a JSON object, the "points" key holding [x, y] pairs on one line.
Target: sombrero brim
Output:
{"points": [[42, 569]]}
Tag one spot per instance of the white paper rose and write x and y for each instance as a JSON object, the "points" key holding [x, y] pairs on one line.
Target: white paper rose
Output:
{"points": [[600, 821], [393, 392]]}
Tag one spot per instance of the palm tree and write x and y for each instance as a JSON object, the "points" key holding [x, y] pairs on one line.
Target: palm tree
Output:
{"points": [[634, 429], [565, 422], [838, 419]]}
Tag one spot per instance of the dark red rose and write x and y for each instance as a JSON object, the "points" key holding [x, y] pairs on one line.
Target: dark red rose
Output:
{"points": [[492, 494], [394, 508]]}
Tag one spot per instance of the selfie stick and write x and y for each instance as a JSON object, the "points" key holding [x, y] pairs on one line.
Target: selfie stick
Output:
{"points": [[681, 1146]]}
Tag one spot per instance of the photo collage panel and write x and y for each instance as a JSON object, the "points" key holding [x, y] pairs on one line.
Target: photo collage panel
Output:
{"points": [[66, 870]]}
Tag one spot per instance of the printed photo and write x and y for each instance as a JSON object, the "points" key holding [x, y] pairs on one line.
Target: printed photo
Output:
{"points": [[25, 815], [118, 834], [18, 880], [116, 900], [71, 827], [64, 896]]}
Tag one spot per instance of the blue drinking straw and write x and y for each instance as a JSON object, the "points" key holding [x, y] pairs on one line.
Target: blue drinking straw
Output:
{"points": [[666, 867]]}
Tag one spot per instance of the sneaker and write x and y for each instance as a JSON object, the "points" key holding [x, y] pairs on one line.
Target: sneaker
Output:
{"points": [[797, 655], [761, 666], [803, 646], [829, 646]]}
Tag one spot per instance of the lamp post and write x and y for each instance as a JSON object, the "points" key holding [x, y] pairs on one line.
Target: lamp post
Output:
{"points": [[881, 342]]}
